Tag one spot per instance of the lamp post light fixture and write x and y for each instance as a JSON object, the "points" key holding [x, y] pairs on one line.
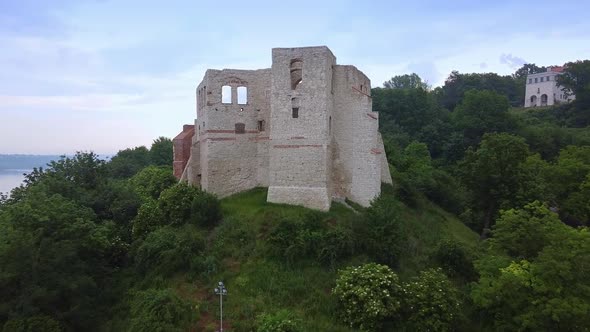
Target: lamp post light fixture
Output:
{"points": [[221, 291]]}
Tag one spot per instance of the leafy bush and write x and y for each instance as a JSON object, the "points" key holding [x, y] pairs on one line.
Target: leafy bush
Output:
{"points": [[151, 181], [454, 260], [310, 236], [149, 218], [380, 232], [431, 302], [368, 295], [205, 210], [176, 203], [280, 321], [159, 310], [183, 203], [168, 250]]}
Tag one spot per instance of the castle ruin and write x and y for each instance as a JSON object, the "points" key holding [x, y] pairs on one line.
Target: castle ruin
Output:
{"points": [[304, 128]]}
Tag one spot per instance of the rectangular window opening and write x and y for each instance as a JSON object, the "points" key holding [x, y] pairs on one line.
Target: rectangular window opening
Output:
{"points": [[261, 125], [242, 95], [295, 112], [226, 94]]}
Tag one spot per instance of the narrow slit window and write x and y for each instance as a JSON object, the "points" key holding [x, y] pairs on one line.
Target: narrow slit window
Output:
{"points": [[261, 125], [295, 112], [242, 95], [226, 94]]}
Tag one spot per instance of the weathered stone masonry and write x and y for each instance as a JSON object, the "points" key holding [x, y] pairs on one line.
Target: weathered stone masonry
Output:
{"points": [[303, 128]]}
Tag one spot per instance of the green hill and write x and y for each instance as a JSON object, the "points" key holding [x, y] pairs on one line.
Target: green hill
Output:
{"points": [[258, 282]]}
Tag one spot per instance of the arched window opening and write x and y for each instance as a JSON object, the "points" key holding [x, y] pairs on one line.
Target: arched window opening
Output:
{"points": [[533, 100], [544, 100], [226, 94], [296, 69], [242, 95]]}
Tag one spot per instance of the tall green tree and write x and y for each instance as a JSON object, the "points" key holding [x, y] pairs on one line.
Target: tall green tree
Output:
{"points": [[492, 174], [575, 80], [161, 153], [128, 162]]}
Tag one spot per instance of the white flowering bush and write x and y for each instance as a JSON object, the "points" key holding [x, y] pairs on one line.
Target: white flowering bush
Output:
{"points": [[367, 295], [280, 321], [431, 302]]}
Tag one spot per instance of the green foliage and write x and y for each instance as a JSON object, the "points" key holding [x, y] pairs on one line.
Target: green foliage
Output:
{"points": [[151, 181], [455, 260], [482, 112], [492, 172], [523, 233], [161, 153], [160, 310], [412, 81], [575, 80], [183, 203], [55, 260], [308, 236], [205, 210], [169, 250], [149, 218], [280, 321], [431, 302], [411, 114], [380, 233], [32, 324], [128, 162], [458, 85], [368, 295], [546, 292]]}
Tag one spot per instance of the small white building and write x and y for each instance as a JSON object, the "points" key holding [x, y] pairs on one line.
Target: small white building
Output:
{"points": [[542, 89]]}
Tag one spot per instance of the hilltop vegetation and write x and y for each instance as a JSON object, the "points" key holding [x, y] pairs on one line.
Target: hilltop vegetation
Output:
{"points": [[485, 228]]}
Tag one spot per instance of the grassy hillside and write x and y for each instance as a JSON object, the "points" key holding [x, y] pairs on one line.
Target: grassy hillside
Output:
{"points": [[258, 282]]}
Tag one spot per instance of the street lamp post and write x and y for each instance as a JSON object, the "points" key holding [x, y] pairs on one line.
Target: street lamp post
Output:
{"points": [[221, 291]]}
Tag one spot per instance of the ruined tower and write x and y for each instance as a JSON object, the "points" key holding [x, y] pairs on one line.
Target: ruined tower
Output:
{"points": [[303, 128]]}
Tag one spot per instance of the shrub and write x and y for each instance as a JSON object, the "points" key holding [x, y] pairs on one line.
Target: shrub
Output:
{"points": [[454, 260], [184, 203], [310, 236], [368, 295], [380, 233], [159, 310], [431, 302], [149, 218], [151, 181], [205, 210], [176, 203], [280, 321], [168, 250]]}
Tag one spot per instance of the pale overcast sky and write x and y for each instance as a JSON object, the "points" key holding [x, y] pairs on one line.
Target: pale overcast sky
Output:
{"points": [[104, 75]]}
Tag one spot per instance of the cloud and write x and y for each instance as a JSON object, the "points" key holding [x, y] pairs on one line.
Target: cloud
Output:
{"points": [[426, 70], [513, 62], [483, 65]]}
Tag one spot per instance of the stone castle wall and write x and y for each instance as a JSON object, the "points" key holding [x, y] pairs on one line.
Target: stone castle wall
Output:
{"points": [[306, 131]]}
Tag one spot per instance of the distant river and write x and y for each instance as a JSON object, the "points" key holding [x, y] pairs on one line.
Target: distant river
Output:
{"points": [[11, 178]]}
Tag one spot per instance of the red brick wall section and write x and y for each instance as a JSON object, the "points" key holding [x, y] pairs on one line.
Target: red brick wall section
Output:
{"points": [[182, 149]]}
